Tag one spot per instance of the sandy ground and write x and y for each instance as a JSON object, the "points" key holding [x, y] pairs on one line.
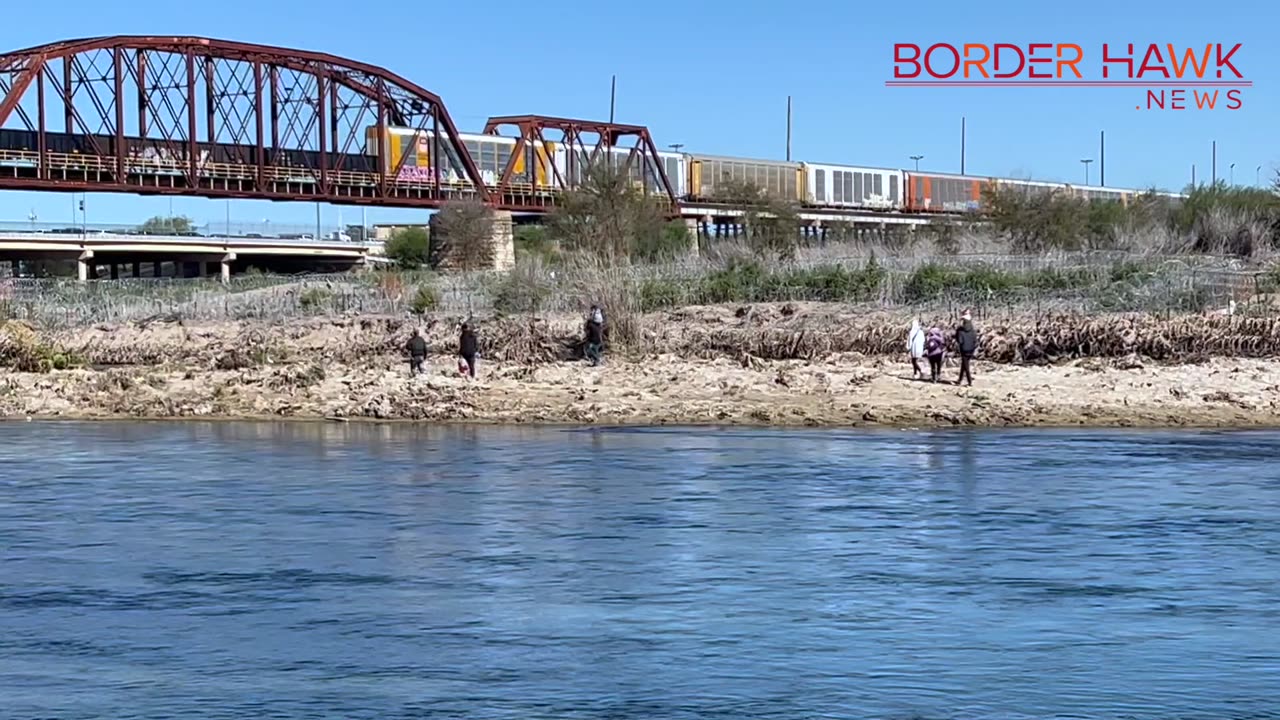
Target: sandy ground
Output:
{"points": [[705, 366], [839, 391]]}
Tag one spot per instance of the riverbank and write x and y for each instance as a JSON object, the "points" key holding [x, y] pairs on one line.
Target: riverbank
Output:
{"points": [[763, 365]]}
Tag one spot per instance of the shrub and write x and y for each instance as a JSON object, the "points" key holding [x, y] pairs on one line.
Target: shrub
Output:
{"points": [[426, 299], [409, 247], [314, 298]]}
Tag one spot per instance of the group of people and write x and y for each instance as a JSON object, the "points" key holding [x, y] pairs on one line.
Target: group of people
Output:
{"points": [[931, 344], [922, 344], [469, 345]]}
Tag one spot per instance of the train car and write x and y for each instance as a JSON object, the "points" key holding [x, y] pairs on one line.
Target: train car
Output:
{"points": [[643, 174], [944, 193], [490, 153], [845, 186], [708, 173]]}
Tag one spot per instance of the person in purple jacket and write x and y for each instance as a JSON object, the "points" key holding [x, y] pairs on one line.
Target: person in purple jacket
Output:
{"points": [[935, 348]]}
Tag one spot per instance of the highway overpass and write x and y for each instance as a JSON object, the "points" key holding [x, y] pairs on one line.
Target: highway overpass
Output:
{"points": [[126, 255]]}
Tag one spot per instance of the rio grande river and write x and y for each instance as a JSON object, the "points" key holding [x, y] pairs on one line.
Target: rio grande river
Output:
{"points": [[329, 571]]}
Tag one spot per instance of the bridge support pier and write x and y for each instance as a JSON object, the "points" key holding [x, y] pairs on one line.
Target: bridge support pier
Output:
{"points": [[226, 266], [692, 229], [83, 265], [445, 255]]}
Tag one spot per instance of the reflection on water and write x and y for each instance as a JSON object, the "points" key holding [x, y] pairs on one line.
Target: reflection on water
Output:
{"points": [[359, 571]]}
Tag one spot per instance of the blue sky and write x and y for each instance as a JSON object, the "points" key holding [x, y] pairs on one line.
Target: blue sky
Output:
{"points": [[715, 77]]}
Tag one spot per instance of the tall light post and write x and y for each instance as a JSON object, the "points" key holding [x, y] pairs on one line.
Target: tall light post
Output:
{"points": [[917, 159], [1231, 174], [1257, 176], [1086, 162]]}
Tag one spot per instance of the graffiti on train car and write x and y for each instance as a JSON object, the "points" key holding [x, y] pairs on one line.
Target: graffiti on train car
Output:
{"points": [[163, 159]]}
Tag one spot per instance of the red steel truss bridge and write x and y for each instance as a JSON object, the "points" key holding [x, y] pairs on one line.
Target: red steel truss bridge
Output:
{"points": [[213, 118]]}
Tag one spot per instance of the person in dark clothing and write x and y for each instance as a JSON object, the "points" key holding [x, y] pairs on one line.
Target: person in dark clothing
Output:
{"points": [[468, 348], [935, 348], [967, 343], [417, 348], [595, 335]]}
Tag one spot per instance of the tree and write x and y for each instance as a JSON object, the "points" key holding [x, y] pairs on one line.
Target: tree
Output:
{"points": [[409, 247], [607, 215], [771, 224], [462, 234], [160, 225]]}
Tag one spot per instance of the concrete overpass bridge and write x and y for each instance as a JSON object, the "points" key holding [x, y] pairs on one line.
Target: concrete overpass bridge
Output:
{"points": [[123, 255]]}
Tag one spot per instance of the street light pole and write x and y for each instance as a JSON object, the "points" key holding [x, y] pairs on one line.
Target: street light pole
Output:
{"points": [[1231, 173], [1257, 176], [917, 158], [1086, 170]]}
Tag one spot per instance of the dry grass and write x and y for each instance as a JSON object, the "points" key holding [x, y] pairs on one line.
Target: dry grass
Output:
{"points": [[777, 331]]}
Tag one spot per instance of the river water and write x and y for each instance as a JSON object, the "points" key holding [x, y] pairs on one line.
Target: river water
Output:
{"points": [[348, 571]]}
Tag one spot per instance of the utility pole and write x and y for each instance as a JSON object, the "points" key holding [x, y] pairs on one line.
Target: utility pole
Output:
{"points": [[788, 128], [1102, 158], [613, 96], [917, 158], [962, 133], [675, 147], [1193, 176], [1213, 169], [317, 221], [1086, 170], [1257, 176], [228, 218]]}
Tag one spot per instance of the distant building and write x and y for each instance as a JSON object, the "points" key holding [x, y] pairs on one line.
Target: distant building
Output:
{"points": [[383, 233]]}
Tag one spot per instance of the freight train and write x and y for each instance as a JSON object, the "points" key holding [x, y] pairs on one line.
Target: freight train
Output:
{"points": [[694, 178]]}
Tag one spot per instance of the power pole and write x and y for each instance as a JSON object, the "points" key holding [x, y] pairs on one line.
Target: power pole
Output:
{"points": [[962, 134], [1213, 173], [1102, 159], [788, 128], [613, 97]]}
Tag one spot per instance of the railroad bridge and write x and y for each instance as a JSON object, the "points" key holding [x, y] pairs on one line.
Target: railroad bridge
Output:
{"points": [[157, 115]]}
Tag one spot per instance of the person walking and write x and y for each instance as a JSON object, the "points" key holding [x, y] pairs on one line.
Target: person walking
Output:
{"points": [[967, 343], [935, 348], [468, 348], [915, 347], [417, 348]]}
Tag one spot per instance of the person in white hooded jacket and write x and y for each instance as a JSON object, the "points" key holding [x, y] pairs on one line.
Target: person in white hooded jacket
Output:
{"points": [[915, 346]]}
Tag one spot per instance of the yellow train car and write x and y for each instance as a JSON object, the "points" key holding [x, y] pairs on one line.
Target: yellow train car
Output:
{"points": [[490, 153]]}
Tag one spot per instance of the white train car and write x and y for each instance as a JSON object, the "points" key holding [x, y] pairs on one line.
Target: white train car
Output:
{"points": [[845, 186], [673, 164]]}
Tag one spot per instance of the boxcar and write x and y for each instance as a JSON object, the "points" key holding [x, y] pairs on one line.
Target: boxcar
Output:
{"points": [[707, 173], [672, 163], [490, 153], [937, 192], [853, 187]]}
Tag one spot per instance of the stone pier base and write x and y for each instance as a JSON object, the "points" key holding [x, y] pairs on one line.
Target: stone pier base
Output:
{"points": [[446, 255]]}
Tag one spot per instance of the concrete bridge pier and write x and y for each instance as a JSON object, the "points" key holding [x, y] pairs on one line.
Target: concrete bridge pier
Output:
{"points": [[83, 268], [226, 266]]}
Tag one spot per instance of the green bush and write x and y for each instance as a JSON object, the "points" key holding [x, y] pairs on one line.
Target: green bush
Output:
{"points": [[426, 299], [314, 298], [410, 247]]}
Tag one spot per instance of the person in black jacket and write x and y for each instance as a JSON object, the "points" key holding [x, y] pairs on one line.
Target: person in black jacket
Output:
{"points": [[417, 348], [967, 342], [468, 348], [595, 335]]}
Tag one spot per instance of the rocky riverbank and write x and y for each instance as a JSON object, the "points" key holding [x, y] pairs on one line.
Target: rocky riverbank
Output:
{"points": [[811, 365]]}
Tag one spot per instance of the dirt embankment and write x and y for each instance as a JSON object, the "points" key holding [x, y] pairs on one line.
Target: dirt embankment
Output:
{"points": [[768, 364]]}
